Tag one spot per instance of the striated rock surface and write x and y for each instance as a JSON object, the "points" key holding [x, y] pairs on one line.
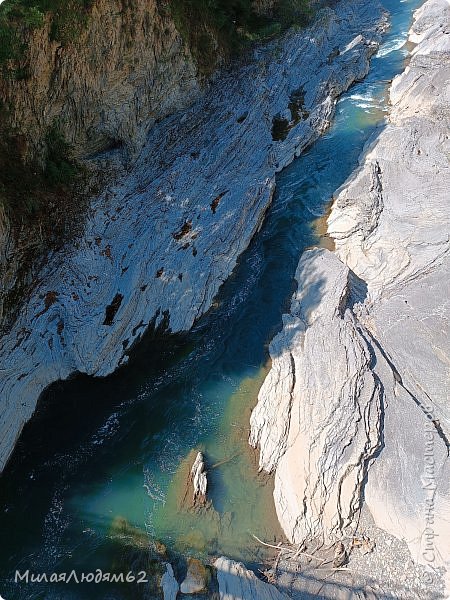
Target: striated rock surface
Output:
{"points": [[199, 480], [237, 583], [9, 265], [355, 408], [403, 256], [124, 67], [159, 243], [318, 415]]}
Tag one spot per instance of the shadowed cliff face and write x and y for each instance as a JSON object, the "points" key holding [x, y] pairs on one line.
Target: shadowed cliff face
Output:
{"points": [[126, 68]]}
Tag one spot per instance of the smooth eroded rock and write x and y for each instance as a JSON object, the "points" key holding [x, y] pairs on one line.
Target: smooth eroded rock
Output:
{"points": [[391, 226], [355, 407], [317, 421], [238, 583], [199, 480], [169, 584], [197, 578]]}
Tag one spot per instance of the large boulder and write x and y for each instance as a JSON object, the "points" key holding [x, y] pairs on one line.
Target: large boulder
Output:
{"points": [[197, 577]]}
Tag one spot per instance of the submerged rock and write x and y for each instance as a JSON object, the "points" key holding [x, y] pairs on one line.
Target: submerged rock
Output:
{"points": [[197, 578], [121, 530], [131, 550]]}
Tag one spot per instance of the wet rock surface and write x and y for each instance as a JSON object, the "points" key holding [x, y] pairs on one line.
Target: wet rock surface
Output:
{"points": [[169, 584], [197, 578], [199, 481]]}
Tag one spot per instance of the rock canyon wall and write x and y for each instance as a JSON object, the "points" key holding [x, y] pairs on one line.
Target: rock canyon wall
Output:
{"points": [[354, 411]]}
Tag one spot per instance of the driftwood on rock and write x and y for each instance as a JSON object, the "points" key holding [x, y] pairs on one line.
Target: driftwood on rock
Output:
{"points": [[237, 583]]}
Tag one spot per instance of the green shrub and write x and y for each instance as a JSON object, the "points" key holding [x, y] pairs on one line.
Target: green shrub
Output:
{"points": [[18, 16], [231, 23], [293, 12], [33, 18], [59, 168], [203, 24], [24, 187], [8, 43]]}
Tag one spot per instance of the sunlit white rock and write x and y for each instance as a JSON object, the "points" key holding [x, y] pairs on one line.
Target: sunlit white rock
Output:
{"points": [[199, 480], [360, 372], [169, 584], [238, 583]]}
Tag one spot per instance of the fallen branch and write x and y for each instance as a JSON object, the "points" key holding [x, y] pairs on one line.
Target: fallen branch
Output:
{"points": [[279, 547], [285, 549], [276, 562], [299, 552], [334, 569]]}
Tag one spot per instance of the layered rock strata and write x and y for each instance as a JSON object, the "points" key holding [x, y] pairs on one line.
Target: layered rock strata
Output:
{"points": [[159, 243], [355, 408], [318, 416]]}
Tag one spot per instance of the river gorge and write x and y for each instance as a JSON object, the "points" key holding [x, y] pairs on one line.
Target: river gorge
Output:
{"points": [[207, 310]]}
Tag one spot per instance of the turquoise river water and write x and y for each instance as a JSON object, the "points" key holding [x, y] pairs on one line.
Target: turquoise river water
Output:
{"points": [[105, 461]]}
